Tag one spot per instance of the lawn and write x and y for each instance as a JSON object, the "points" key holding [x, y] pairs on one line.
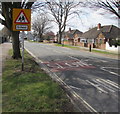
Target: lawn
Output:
{"points": [[103, 52], [31, 90], [68, 46]]}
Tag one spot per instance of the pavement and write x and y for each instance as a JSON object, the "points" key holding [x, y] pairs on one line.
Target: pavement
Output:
{"points": [[4, 48], [90, 80]]}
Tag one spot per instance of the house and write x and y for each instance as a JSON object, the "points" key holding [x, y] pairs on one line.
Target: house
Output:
{"points": [[98, 36], [73, 36], [49, 36]]}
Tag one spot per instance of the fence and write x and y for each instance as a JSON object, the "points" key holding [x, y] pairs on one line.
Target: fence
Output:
{"points": [[112, 48]]}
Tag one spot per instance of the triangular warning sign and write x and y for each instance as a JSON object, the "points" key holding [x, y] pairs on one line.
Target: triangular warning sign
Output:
{"points": [[21, 18]]}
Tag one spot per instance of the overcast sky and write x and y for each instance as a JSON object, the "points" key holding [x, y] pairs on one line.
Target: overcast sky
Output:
{"points": [[89, 18]]}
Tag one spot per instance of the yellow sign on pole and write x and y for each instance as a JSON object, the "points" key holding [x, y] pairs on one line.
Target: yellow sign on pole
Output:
{"points": [[21, 19]]}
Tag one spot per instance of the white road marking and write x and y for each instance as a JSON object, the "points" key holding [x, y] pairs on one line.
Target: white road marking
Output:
{"points": [[97, 86], [108, 87], [111, 67], [68, 65], [99, 60], [75, 87], [103, 68], [59, 65], [84, 64], [74, 58], [111, 83], [80, 62]]}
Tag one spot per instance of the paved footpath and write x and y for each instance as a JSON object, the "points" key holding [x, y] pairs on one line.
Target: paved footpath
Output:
{"points": [[4, 48]]}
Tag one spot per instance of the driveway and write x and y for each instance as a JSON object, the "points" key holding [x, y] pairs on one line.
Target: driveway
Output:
{"points": [[92, 79]]}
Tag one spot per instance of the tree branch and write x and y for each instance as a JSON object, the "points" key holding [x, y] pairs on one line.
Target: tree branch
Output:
{"points": [[3, 22]]}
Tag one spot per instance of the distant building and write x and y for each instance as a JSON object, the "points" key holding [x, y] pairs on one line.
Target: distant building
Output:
{"points": [[49, 36], [98, 36], [73, 36]]}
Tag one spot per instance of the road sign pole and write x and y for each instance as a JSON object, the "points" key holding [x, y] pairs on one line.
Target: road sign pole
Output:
{"points": [[22, 22], [22, 50]]}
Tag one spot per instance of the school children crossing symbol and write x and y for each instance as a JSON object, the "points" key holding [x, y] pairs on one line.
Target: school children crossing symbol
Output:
{"points": [[21, 19]]}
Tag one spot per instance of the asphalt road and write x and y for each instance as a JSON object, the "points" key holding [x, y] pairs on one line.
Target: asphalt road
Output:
{"points": [[93, 78]]}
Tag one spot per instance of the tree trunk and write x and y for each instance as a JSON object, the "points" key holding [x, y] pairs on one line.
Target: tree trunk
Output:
{"points": [[15, 44], [59, 37]]}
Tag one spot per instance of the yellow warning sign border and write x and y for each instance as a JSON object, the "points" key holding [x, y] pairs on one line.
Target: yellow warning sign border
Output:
{"points": [[16, 14]]}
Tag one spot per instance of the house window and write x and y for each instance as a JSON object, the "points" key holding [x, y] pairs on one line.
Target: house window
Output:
{"points": [[100, 41], [83, 40]]}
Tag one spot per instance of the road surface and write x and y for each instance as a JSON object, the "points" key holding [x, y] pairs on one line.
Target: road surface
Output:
{"points": [[94, 79]]}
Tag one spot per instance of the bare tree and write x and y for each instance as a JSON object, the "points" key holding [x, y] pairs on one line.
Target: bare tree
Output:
{"points": [[61, 10], [6, 11], [40, 25], [112, 6]]}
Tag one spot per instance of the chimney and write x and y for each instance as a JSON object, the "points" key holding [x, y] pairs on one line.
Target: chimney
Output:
{"points": [[99, 26]]}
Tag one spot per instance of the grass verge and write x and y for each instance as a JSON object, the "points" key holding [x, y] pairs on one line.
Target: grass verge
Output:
{"points": [[104, 52], [68, 46], [93, 50], [31, 90]]}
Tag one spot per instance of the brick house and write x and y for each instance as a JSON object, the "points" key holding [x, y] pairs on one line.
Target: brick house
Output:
{"points": [[72, 36], [98, 36]]}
